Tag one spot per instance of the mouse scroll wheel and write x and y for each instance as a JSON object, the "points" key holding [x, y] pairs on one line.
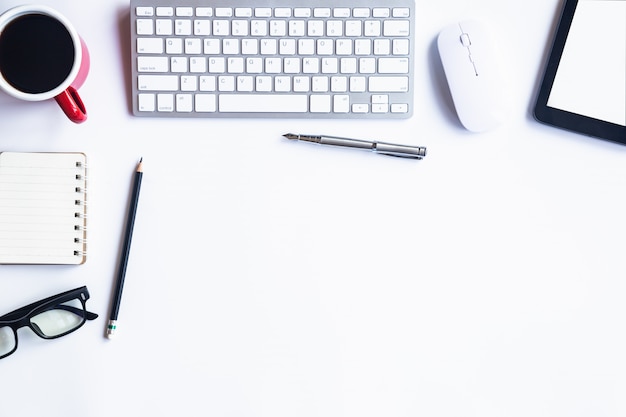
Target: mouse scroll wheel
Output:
{"points": [[465, 40]]}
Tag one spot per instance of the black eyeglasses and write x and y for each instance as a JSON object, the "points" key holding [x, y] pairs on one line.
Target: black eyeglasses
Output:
{"points": [[49, 318]]}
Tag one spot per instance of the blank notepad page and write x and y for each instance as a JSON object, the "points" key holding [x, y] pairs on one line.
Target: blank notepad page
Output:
{"points": [[42, 208]]}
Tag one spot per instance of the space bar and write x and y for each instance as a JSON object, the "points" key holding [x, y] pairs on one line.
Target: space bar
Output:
{"points": [[263, 103]]}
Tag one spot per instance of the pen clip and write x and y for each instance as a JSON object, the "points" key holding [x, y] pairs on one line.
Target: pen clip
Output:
{"points": [[403, 151]]}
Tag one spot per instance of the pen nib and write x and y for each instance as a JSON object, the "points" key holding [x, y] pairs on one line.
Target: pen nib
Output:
{"points": [[291, 136]]}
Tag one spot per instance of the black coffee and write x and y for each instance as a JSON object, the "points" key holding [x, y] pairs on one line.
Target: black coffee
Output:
{"points": [[36, 53]]}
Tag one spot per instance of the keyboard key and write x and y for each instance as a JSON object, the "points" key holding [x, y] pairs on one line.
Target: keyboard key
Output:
{"points": [[321, 12], [165, 11], [263, 12], [353, 28], [278, 28], [396, 28], [380, 108], [239, 28], [173, 46], [208, 83], [382, 47], [206, 103], [341, 103], [301, 84], [193, 46], [164, 27], [367, 65], [282, 12], [282, 84], [320, 103], [144, 11], [315, 28], [401, 47], [212, 46], [184, 103], [145, 27], [184, 11], [319, 84], [202, 27], [165, 102], [157, 82], [245, 83], [388, 84], [182, 27], [217, 65], [361, 12], [258, 28], [230, 47], [358, 84], [223, 12], [264, 83], [178, 64], [380, 99], [254, 65], [372, 28], [221, 28], [381, 12], [339, 84], [146, 102], [302, 12], [204, 11], [393, 65], [188, 83], [400, 12], [243, 12], [334, 28], [265, 103], [341, 12], [269, 47], [149, 45], [296, 28], [399, 108], [226, 83], [152, 64], [198, 65]]}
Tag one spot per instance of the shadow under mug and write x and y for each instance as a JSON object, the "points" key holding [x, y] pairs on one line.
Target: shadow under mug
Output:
{"points": [[43, 57]]}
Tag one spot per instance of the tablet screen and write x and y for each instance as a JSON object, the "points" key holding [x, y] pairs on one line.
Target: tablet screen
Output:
{"points": [[584, 86], [591, 77]]}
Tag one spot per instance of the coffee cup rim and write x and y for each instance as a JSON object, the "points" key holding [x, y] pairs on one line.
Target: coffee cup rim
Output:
{"points": [[18, 11]]}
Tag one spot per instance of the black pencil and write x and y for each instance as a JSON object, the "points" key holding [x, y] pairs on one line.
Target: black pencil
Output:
{"points": [[130, 223]]}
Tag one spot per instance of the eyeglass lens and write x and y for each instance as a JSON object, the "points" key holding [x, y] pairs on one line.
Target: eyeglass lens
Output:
{"points": [[7, 340], [59, 319], [56, 321]]}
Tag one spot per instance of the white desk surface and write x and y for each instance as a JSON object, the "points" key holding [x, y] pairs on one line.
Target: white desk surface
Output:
{"points": [[278, 279]]}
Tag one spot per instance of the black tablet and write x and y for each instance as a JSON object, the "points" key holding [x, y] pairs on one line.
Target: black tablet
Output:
{"points": [[584, 85]]}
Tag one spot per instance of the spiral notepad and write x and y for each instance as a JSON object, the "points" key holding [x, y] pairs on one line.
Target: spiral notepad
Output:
{"points": [[43, 208]]}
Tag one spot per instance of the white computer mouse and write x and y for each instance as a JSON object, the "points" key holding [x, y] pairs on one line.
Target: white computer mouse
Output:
{"points": [[468, 57]]}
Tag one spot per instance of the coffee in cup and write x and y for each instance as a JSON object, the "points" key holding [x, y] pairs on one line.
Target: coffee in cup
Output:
{"points": [[42, 57]]}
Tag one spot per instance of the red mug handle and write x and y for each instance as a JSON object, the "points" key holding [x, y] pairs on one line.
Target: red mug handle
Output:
{"points": [[72, 105]]}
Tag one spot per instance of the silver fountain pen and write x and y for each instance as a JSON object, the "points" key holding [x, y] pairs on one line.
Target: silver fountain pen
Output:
{"points": [[404, 151]]}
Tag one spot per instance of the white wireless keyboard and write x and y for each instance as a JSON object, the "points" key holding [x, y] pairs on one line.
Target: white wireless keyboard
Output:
{"points": [[272, 58]]}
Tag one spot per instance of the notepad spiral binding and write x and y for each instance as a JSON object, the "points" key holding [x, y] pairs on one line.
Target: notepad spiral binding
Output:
{"points": [[81, 189]]}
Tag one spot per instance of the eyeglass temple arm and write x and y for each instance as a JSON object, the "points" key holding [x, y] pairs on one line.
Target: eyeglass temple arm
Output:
{"points": [[78, 311], [20, 312]]}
